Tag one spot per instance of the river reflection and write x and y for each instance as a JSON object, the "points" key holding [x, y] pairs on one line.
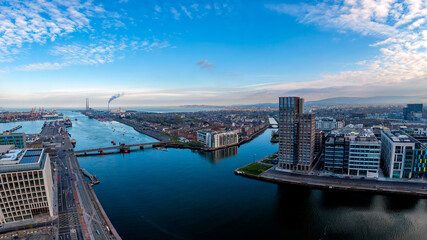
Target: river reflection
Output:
{"points": [[315, 214], [218, 155]]}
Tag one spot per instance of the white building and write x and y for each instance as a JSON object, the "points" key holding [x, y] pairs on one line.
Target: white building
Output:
{"points": [[117, 110], [328, 123], [397, 154], [26, 186], [204, 137], [216, 140]]}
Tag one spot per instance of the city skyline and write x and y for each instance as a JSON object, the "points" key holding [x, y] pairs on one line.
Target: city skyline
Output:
{"points": [[215, 53]]}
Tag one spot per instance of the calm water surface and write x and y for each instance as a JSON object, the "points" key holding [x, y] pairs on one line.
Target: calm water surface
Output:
{"points": [[184, 194]]}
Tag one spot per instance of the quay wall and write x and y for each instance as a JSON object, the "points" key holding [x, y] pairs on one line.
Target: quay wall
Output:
{"points": [[380, 187]]}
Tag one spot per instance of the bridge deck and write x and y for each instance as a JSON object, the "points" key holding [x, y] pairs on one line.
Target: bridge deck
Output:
{"points": [[118, 147]]}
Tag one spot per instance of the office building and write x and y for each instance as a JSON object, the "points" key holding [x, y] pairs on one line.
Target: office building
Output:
{"points": [[17, 139], [335, 154], [26, 187], [397, 153], [364, 156], [352, 152], [413, 112], [328, 123], [296, 135]]}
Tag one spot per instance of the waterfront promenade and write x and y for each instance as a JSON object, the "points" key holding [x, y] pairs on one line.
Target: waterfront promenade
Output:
{"points": [[317, 181]]}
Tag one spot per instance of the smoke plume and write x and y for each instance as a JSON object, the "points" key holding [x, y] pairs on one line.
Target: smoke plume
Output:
{"points": [[115, 97]]}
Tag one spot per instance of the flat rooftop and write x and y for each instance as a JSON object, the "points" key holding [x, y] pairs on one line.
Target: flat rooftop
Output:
{"points": [[397, 136], [22, 160]]}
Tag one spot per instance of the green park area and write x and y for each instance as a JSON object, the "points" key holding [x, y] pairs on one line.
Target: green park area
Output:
{"points": [[254, 168], [269, 160]]}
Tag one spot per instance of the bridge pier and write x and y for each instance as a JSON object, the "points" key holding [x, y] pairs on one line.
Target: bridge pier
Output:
{"points": [[125, 149], [141, 147]]}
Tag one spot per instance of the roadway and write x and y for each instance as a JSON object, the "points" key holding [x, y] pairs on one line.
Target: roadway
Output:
{"points": [[78, 218]]}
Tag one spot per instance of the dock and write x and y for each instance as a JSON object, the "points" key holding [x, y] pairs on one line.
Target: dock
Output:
{"points": [[13, 129], [94, 180], [123, 148]]}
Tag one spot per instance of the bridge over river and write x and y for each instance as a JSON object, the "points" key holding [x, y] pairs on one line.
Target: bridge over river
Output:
{"points": [[123, 148]]}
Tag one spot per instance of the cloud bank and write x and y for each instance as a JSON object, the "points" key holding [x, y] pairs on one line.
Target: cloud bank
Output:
{"points": [[401, 29]]}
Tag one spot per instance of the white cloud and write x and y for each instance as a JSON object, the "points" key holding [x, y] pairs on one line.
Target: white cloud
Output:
{"points": [[191, 11], [400, 27], [157, 8], [26, 22], [175, 13], [41, 66], [105, 51], [187, 12]]}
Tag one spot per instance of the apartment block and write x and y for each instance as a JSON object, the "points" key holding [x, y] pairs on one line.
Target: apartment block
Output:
{"points": [[217, 140], [296, 135]]}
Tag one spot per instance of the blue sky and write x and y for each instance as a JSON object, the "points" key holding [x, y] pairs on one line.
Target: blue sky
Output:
{"points": [[165, 53]]}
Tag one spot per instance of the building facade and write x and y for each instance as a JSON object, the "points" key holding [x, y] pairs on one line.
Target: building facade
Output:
{"points": [[17, 139], [354, 152], [319, 139], [296, 135], [26, 186], [335, 154], [420, 162], [364, 157], [217, 140], [397, 153]]}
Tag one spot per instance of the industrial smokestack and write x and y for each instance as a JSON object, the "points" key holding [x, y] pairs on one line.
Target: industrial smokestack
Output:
{"points": [[113, 98]]}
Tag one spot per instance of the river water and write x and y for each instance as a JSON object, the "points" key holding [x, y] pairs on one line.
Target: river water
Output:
{"points": [[185, 194]]}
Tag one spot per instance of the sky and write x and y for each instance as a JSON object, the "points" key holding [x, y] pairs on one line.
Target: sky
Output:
{"points": [[168, 53]]}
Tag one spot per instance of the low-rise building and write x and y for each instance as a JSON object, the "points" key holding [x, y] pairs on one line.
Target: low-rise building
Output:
{"points": [[328, 123], [354, 153], [26, 186], [17, 139]]}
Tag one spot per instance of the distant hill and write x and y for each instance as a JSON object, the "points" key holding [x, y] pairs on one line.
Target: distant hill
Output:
{"points": [[368, 100], [379, 100]]}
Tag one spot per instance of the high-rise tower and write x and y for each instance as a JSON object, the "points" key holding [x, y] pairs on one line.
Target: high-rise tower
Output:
{"points": [[296, 135], [87, 104]]}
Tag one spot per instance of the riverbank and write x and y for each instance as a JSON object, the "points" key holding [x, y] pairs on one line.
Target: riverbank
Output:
{"points": [[168, 144], [274, 175], [149, 132]]}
